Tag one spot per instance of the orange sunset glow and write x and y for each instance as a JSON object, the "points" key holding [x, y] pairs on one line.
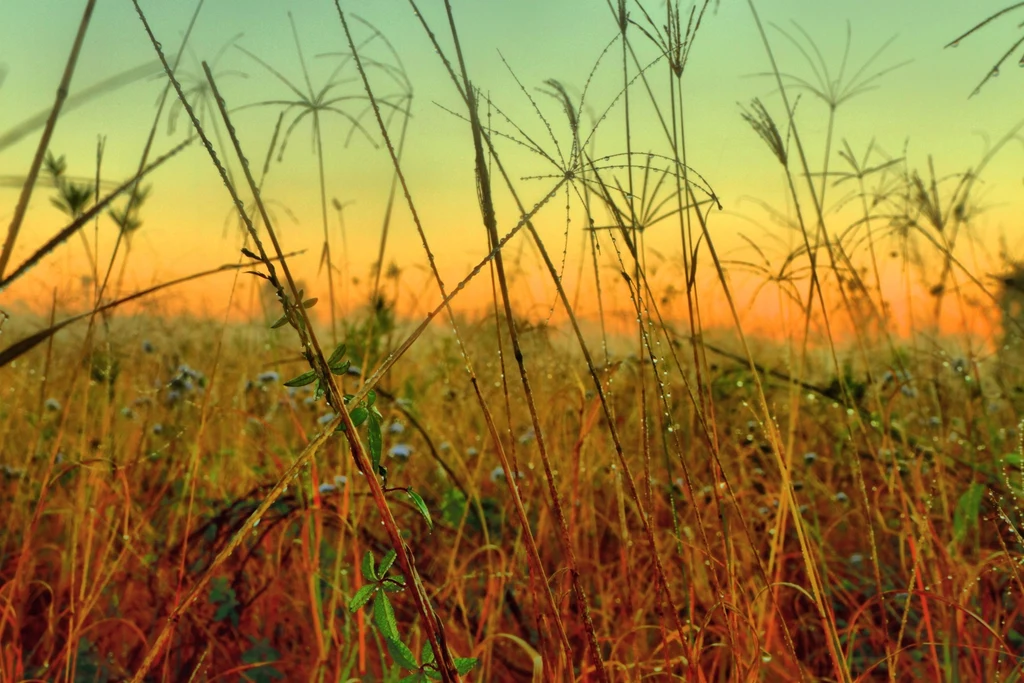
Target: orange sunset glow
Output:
{"points": [[511, 340], [188, 226]]}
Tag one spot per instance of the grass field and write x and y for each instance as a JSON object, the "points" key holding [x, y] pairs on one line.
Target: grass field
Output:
{"points": [[388, 493]]}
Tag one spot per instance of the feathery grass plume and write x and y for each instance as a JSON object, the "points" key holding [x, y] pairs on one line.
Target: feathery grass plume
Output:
{"points": [[73, 197], [764, 125], [97, 207], [197, 89], [314, 102], [885, 172], [834, 89], [397, 105]]}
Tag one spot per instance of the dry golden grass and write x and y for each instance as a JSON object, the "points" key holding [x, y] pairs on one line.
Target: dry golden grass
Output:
{"points": [[497, 498], [105, 529]]}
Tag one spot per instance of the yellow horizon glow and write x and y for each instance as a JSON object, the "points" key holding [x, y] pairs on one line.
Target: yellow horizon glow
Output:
{"points": [[188, 224]]}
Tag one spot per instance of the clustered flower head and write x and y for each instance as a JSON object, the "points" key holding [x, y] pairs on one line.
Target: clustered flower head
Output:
{"points": [[268, 377], [332, 486], [400, 451], [184, 383], [265, 381], [498, 474], [903, 379]]}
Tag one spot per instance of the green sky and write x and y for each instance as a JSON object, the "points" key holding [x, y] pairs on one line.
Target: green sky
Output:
{"points": [[920, 109]]}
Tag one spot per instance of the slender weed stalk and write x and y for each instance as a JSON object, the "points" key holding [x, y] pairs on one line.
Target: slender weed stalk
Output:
{"points": [[295, 313], [688, 501], [511, 475], [995, 70], [44, 140], [312, 103]]}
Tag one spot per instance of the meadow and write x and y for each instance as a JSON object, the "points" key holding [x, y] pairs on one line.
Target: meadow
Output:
{"points": [[592, 484]]}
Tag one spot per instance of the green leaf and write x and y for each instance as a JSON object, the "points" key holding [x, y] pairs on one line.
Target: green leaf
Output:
{"points": [[401, 653], [371, 397], [387, 561], [302, 380], [421, 506], [427, 652], [309, 303], [369, 573], [55, 166], [280, 322], [223, 596], [465, 664], [362, 596], [262, 654], [384, 617], [393, 584], [374, 441], [415, 677], [968, 509], [337, 355], [226, 611], [453, 506], [340, 368], [359, 415]]}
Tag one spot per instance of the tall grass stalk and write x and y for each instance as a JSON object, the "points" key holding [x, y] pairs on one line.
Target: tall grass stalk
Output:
{"points": [[511, 475], [678, 499], [296, 314], [44, 140]]}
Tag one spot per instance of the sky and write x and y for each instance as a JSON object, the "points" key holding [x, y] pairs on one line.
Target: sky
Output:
{"points": [[920, 108]]}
